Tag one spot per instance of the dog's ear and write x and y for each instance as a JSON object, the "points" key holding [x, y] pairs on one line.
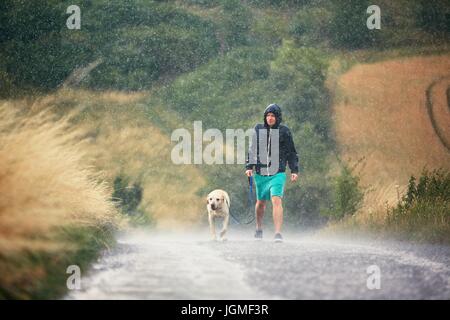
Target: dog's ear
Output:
{"points": [[227, 201], [207, 200]]}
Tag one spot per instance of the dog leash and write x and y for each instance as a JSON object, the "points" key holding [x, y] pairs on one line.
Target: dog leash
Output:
{"points": [[250, 203]]}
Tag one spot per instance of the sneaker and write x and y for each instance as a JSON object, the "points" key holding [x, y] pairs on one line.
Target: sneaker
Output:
{"points": [[258, 235], [278, 238]]}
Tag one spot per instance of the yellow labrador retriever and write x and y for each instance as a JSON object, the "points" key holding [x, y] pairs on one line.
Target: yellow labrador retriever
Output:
{"points": [[218, 205]]}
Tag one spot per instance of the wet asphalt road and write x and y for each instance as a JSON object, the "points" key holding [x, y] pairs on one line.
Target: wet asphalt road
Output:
{"points": [[149, 265]]}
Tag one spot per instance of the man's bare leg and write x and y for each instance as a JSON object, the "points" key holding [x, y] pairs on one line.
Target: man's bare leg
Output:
{"points": [[277, 213], [259, 210]]}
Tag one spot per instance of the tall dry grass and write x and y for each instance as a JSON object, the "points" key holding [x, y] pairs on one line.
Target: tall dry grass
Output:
{"points": [[45, 182], [124, 138], [372, 215]]}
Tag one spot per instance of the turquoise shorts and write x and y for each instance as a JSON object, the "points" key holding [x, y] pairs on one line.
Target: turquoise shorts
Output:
{"points": [[269, 186]]}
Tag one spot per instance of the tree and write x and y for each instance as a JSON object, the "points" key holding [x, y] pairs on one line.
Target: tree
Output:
{"points": [[349, 25]]}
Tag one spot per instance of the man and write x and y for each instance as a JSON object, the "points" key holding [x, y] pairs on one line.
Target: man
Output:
{"points": [[270, 166]]}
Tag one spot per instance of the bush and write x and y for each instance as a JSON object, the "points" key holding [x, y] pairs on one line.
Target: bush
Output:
{"points": [[399, 24], [348, 25], [32, 45], [294, 67], [127, 196], [27, 21], [348, 195], [311, 26], [269, 30], [6, 87], [314, 191], [301, 72], [342, 24], [434, 16], [432, 186], [424, 211]]}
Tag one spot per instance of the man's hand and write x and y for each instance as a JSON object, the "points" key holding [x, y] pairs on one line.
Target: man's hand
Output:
{"points": [[248, 173], [294, 177]]}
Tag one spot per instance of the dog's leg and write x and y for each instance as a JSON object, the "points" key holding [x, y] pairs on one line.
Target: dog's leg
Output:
{"points": [[212, 227], [224, 227]]}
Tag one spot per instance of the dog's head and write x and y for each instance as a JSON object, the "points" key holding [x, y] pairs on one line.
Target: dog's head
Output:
{"points": [[216, 200]]}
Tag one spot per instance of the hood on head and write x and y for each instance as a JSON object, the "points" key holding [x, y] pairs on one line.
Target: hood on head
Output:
{"points": [[276, 110]]}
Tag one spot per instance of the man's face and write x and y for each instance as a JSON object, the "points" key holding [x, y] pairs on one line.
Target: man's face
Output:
{"points": [[271, 119]]}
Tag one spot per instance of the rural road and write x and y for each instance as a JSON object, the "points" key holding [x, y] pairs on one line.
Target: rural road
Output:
{"points": [[151, 265]]}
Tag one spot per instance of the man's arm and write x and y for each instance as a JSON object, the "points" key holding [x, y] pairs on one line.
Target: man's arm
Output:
{"points": [[292, 155]]}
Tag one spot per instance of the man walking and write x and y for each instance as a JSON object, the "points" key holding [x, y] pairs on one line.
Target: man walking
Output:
{"points": [[271, 148]]}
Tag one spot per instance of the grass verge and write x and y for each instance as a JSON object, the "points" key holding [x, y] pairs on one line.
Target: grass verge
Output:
{"points": [[54, 210]]}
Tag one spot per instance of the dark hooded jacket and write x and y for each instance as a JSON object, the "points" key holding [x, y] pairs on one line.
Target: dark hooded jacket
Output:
{"points": [[287, 152]]}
